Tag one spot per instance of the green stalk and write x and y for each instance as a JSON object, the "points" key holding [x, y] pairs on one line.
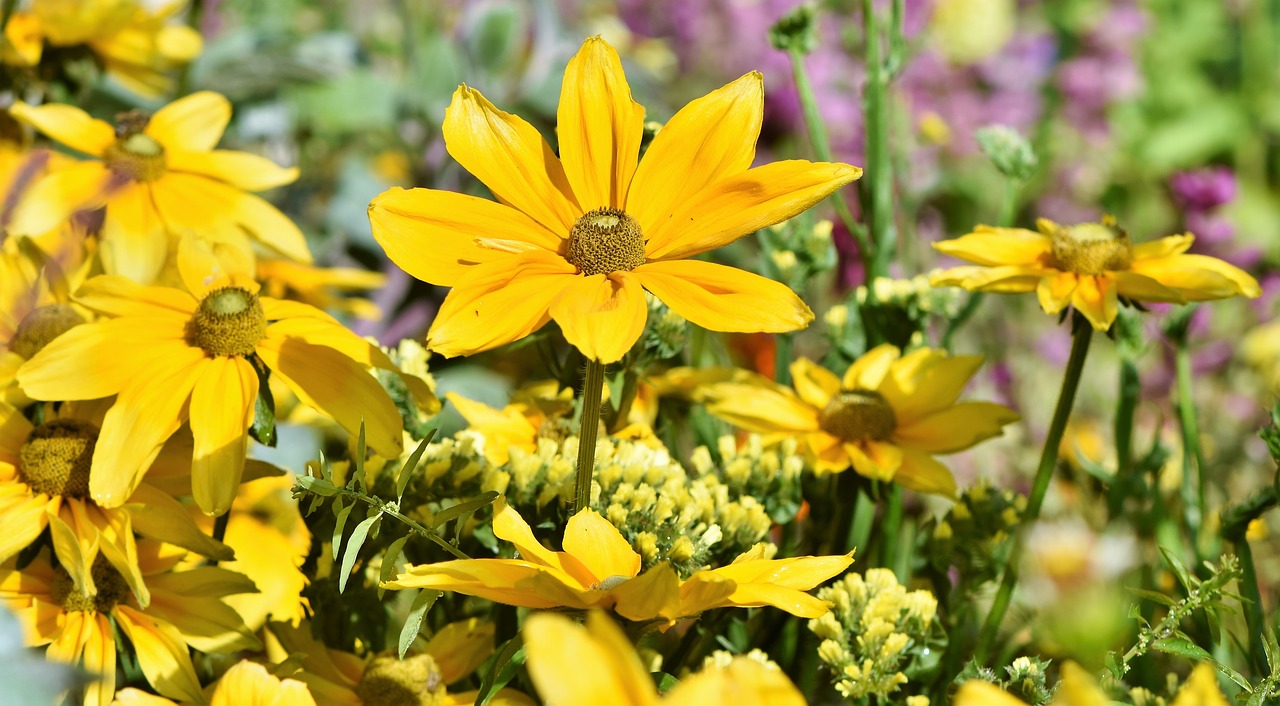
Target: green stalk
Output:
{"points": [[1194, 486], [1081, 334], [1126, 406], [892, 531], [1235, 524], [589, 426], [784, 344], [879, 168]]}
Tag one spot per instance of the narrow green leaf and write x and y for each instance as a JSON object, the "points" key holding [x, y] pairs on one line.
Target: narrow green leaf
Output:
{"points": [[1152, 596], [340, 524], [463, 508], [1179, 569], [318, 486], [504, 677], [406, 471], [1234, 676], [263, 428], [353, 549], [417, 612], [389, 559], [512, 647], [361, 449], [1182, 647]]}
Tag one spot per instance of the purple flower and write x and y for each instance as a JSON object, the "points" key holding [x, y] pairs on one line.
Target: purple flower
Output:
{"points": [[1203, 189]]}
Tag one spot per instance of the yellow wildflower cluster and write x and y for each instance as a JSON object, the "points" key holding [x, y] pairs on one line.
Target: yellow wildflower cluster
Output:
{"points": [[874, 630], [974, 534]]}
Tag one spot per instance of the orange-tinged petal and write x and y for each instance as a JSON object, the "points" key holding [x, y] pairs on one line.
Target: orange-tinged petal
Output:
{"points": [[1013, 279], [744, 682], [999, 246], [744, 203], [509, 156], [337, 387], [119, 296], [191, 124], [1055, 290], [572, 665], [161, 653], [653, 594], [222, 408], [761, 408], [1095, 297], [924, 474], [600, 547], [599, 127], [67, 124], [955, 428], [115, 352], [1163, 247], [1132, 285], [707, 140], [976, 692], [602, 316], [52, 200], [723, 298], [499, 302], [242, 170], [815, 384], [870, 369], [1199, 277], [432, 234]]}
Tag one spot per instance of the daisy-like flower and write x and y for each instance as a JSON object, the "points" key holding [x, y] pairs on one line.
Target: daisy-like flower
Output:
{"points": [[542, 409], [1092, 267], [171, 356], [422, 678], [578, 238], [245, 684], [575, 665], [1080, 689], [599, 569], [72, 610], [886, 417], [322, 287], [157, 176]]}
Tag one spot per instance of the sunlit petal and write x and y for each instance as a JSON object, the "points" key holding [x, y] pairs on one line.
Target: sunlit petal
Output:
{"points": [[599, 127]]}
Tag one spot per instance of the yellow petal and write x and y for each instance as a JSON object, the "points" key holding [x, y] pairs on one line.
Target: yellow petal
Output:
{"points": [[99, 658], [600, 547], [250, 684], [51, 201], [1132, 285], [1078, 688], [194, 602], [135, 242], [1095, 297], [926, 381], [870, 369], [761, 408], [222, 408], [924, 474], [499, 580], [337, 387], [744, 682], [509, 526], [67, 124], [1054, 291], [502, 429], [653, 594], [191, 124], [119, 296], [499, 302], [826, 453], [1201, 688], [703, 591], [709, 139], [204, 205], [599, 127], [460, 647], [22, 518], [504, 697], [790, 600], [158, 515], [509, 156], [743, 203], [115, 352], [573, 667], [801, 573], [14, 430], [602, 316], [432, 234], [723, 298], [955, 428], [876, 467], [242, 170], [999, 246], [976, 692], [815, 384], [1199, 277], [1013, 279], [1163, 247], [161, 653]]}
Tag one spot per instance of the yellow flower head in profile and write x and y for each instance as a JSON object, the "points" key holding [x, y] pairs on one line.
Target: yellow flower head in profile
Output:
{"points": [[886, 417], [245, 684], [539, 410], [1079, 689], [1089, 266], [599, 569], [576, 665], [579, 237], [156, 175]]}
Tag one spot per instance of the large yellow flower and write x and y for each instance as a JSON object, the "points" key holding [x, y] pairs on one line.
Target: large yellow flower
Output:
{"points": [[1079, 689], [158, 176], [171, 356], [599, 569], [886, 417], [579, 237], [245, 684], [539, 409], [573, 665], [1089, 266]]}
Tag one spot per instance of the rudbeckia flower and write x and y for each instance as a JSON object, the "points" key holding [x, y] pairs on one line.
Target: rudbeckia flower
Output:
{"points": [[579, 237], [599, 569], [322, 287], [541, 409], [1079, 689], [340, 678], [172, 355], [573, 665], [72, 611], [157, 176], [887, 417], [244, 684], [1090, 266]]}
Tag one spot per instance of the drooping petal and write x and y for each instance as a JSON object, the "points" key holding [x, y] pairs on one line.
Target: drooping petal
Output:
{"points": [[191, 124], [744, 682], [1199, 277], [502, 429], [242, 170], [602, 316], [926, 381], [161, 654], [571, 666], [508, 581], [743, 203], [1132, 285], [222, 408], [600, 547], [114, 352], [709, 139], [924, 474], [52, 200], [1095, 297], [789, 600], [509, 156], [761, 408], [67, 124], [815, 384], [999, 246], [499, 302], [653, 594], [432, 234], [1054, 291], [870, 369], [509, 526], [599, 127], [955, 428], [157, 515], [722, 298], [193, 602], [1013, 279]]}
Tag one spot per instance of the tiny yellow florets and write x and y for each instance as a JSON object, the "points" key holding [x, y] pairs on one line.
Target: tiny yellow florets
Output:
{"points": [[41, 326], [56, 457], [605, 240], [228, 322]]}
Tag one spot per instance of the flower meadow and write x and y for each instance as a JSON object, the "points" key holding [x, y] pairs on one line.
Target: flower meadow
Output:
{"points": [[578, 352]]}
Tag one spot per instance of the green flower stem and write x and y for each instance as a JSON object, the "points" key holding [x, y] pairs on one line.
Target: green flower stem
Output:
{"points": [[589, 426], [1081, 334], [1235, 524], [892, 532], [879, 166], [1194, 487], [784, 345], [1126, 406]]}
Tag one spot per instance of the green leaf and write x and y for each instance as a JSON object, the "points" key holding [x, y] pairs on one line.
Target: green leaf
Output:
{"points": [[1153, 596], [389, 559], [413, 624], [340, 524], [1178, 568], [465, 507], [665, 682], [353, 549], [512, 652], [1234, 676], [318, 486], [361, 450], [1115, 666], [263, 429], [1182, 647], [406, 471]]}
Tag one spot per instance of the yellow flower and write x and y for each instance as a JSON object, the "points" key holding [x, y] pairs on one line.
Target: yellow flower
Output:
{"points": [[245, 684], [886, 417], [579, 237], [72, 610], [1079, 689], [967, 31], [340, 678], [157, 176], [171, 356], [1090, 266], [322, 287], [1260, 349], [534, 411], [573, 665], [599, 569]]}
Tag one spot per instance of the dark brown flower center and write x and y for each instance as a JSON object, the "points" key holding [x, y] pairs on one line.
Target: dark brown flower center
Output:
{"points": [[109, 589], [56, 457], [229, 321], [135, 155], [605, 240], [41, 326], [858, 415], [1092, 248], [413, 681]]}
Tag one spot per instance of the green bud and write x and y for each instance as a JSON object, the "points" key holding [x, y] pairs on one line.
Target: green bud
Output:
{"points": [[1008, 151], [796, 31]]}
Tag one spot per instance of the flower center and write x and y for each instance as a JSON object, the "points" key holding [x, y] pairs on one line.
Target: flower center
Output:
{"points": [[56, 457], [41, 326], [413, 681], [110, 589], [605, 240], [229, 321], [1092, 248], [135, 155], [858, 415]]}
